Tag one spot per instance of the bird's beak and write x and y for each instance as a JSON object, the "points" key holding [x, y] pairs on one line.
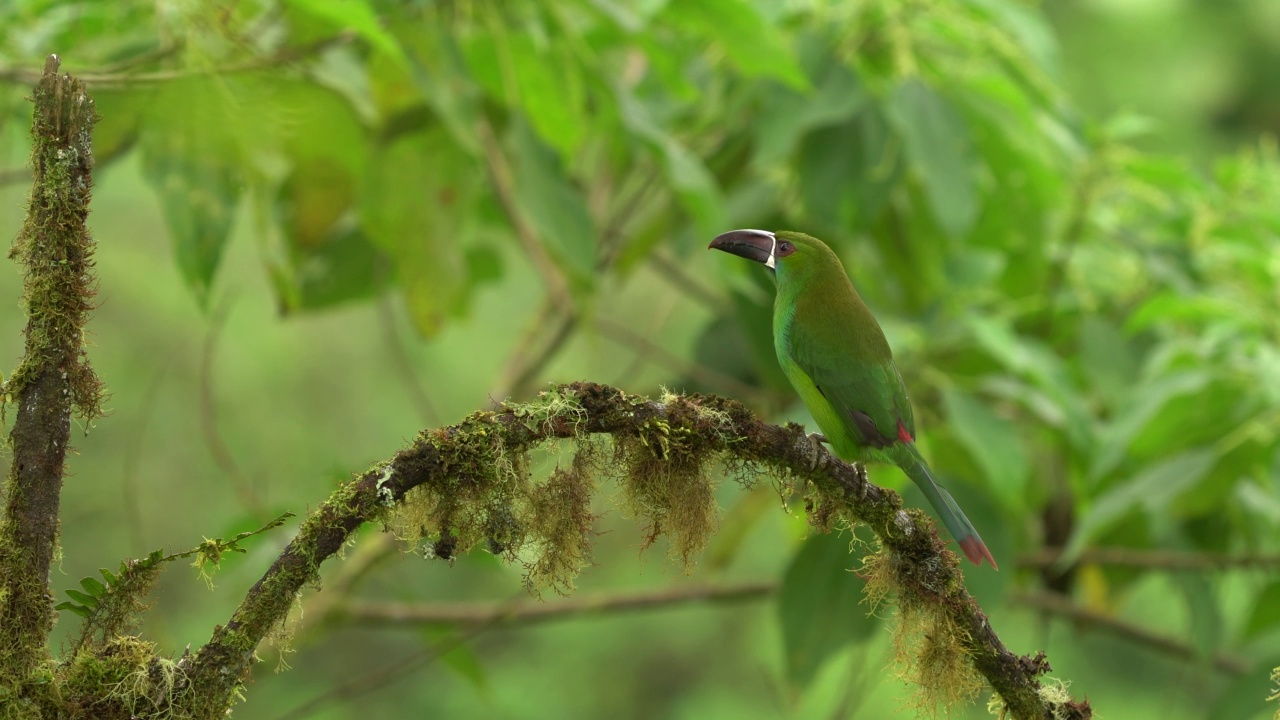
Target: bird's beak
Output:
{"points": [[755, 245]]}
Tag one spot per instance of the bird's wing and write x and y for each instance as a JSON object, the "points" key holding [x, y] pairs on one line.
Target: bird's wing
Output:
{"points": [[868, 396]]}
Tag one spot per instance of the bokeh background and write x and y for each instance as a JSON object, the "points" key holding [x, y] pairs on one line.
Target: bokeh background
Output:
{"points": [[324, 225]]}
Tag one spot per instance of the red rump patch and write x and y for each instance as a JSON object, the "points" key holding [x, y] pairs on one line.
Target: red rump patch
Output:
{"points": [[903, 435]]}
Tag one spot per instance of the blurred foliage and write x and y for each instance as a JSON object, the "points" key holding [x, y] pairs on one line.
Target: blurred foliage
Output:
{"points": [[1087, 316]]}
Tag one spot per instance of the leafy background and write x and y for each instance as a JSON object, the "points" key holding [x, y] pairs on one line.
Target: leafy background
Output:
{"points": [[326, 224]]}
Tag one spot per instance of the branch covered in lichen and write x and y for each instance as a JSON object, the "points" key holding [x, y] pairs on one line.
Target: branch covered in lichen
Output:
{"points": [[468, 484], [54, 378]]}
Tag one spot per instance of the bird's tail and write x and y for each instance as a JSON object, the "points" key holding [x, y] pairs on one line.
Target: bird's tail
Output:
{"points": [[945, 505]]}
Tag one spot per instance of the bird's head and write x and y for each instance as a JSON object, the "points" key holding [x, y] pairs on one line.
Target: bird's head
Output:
{"points": [[792, 256]]}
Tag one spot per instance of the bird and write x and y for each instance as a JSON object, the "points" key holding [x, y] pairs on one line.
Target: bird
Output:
{"points": [[837, 358]]}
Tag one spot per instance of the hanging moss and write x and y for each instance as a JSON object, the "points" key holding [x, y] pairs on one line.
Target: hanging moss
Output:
{"points": [[560, 523]]}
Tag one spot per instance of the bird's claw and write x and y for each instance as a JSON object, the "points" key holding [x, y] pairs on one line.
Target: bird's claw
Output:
{"points": [[815, 446]]}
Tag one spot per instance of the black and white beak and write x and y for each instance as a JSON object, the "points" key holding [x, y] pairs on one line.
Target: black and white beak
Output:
{"points": [[758, 245]]}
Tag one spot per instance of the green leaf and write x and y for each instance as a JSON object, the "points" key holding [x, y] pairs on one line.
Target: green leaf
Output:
{"points": [[1028, 26], [457, 656], [994, 443], [847, 171], [353, 15], [92, 586], [551, 92], [1246, 696], [192, 153], [1145, 403], [1266, 611], [1206, 614], [736, 526], [757, 48], [107, 575], [1030, 358], [1169, 306], [484, 265], [1259, 502], [1107, 358], [825, 171], [693, 183], [417, 206], [88, 601], [819, 606], [754, 315], [484, 66], [554, 206], [940, 151], [328, 259], [786, 115], [328, 266], [1152, 490], [80, 610]]}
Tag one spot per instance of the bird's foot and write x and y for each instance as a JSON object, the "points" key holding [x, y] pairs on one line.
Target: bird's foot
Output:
{"points": [[818, 458]]}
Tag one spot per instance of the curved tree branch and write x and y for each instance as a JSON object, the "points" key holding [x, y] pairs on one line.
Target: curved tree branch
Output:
{"points": [[451, 466]]}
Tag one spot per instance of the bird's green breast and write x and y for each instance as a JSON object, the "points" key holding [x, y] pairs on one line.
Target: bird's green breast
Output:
{"points": [[824, 413]]}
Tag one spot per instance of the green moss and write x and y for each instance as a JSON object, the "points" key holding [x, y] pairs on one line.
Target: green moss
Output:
{"points": [[930, 648], [666, 480], [1275, 678], [124, 678], [478, 498], [560, 522], [55, 248], [1053, 692], [557, 406]]}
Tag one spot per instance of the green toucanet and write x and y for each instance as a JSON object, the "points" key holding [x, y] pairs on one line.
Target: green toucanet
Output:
{"points": [[835, 354]]}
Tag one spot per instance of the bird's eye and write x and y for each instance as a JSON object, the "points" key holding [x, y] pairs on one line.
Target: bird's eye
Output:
{"points": [[785, 248]]}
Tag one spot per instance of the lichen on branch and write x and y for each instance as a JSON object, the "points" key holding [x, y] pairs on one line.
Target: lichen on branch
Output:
{"points": [[469, 485]]}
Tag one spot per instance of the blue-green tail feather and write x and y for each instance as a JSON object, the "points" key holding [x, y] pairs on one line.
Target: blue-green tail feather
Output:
{"points": [[952, 516]]}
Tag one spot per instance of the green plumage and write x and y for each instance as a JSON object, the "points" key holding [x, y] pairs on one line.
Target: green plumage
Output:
{"points": [[836, 356]]}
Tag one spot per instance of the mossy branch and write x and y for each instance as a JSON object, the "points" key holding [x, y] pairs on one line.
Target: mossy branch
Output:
{"points": [[53, 379], [468, 483]]}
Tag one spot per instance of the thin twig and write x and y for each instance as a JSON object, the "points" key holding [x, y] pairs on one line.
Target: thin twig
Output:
{"points": [[529, 611], [523, 351], [1083, 196], [1156, 559], [479, 619], [404, 365], [132, 453], [503, 181], [611, 234], [526, 364], [706, 375], [675, 275], [657, 319], [244, 488], [114, 79], [382, 677], [144, 58], [9, 176], [1059, 605]]}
